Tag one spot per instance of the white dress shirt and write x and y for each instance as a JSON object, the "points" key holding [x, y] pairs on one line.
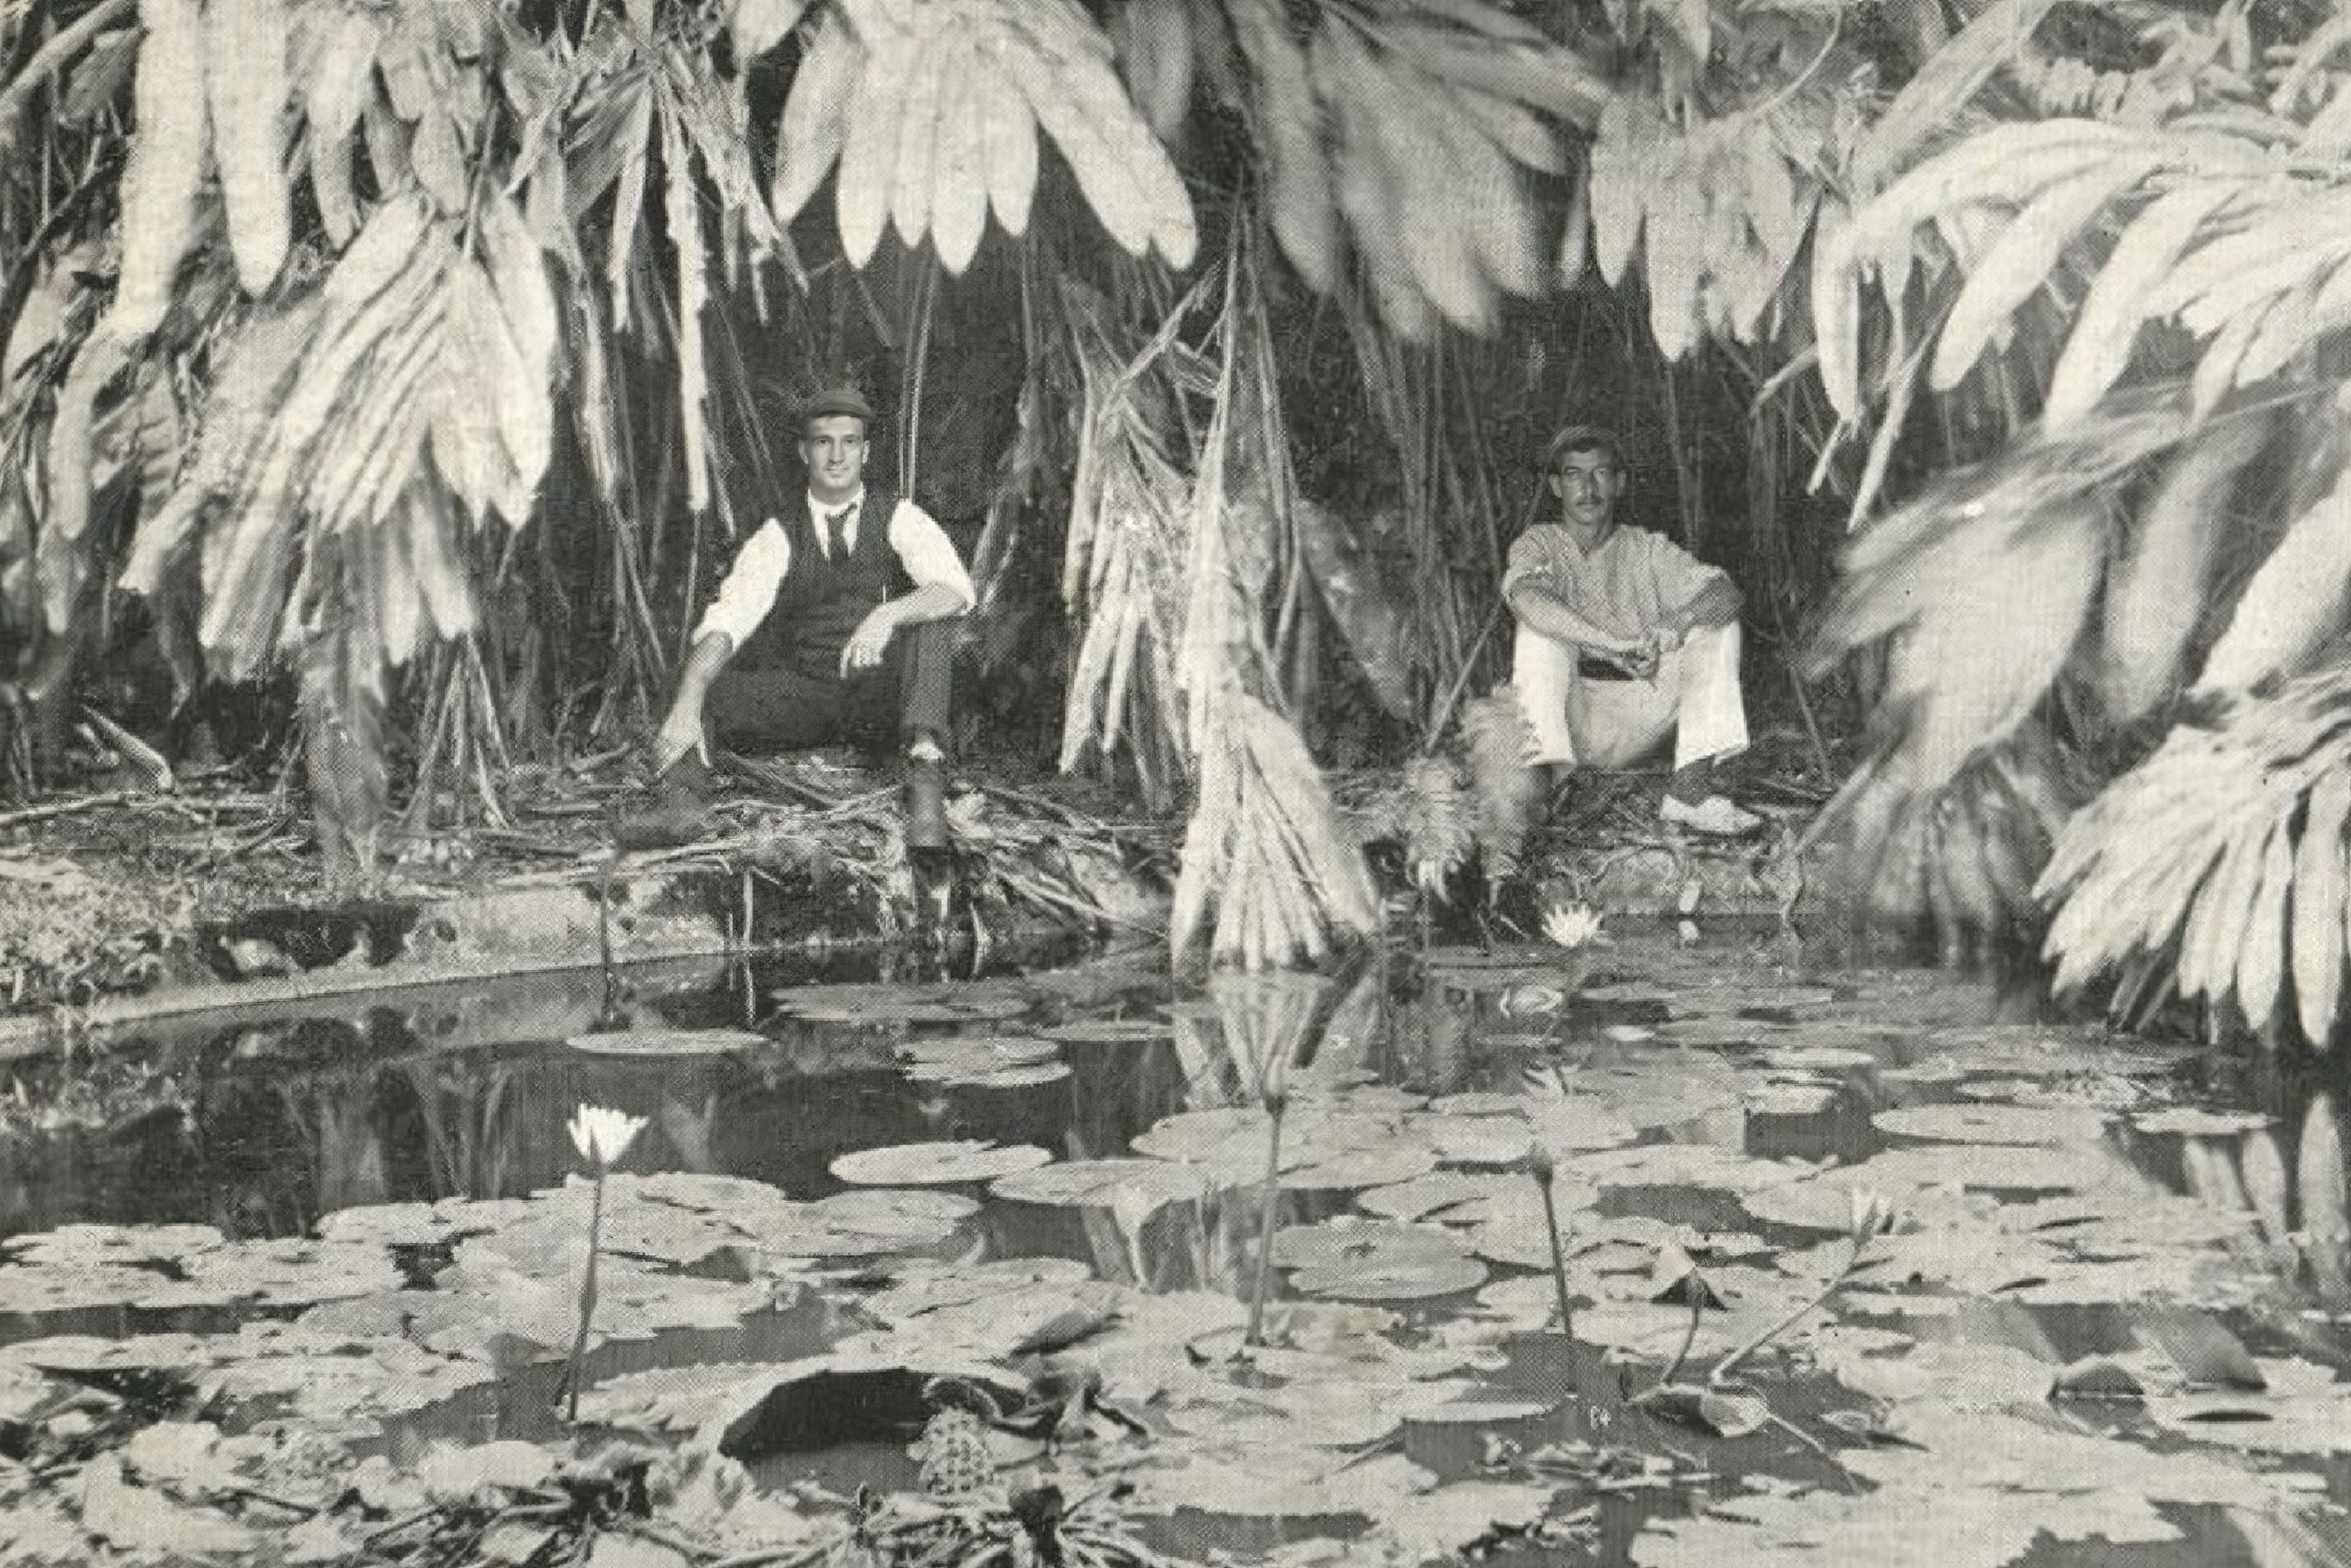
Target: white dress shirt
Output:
{"points": [[749, 591]]}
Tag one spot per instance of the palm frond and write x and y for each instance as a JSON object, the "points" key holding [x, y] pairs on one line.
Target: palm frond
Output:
{"points": [[2220, 855], [1265, 850]]}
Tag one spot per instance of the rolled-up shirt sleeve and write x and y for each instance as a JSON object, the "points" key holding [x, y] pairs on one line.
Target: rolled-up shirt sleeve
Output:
{"points": [[1533, 558], [749, 592], [927, 554]]}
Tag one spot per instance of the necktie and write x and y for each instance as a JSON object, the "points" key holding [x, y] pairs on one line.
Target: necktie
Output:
{"points": [[836, 532]]}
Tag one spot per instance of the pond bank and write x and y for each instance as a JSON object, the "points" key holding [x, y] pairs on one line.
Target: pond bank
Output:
{"points": [[121, 909], [118, 910]]}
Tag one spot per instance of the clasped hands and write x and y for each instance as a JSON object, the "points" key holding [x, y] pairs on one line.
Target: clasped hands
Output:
{"points": [[1641, 661]]}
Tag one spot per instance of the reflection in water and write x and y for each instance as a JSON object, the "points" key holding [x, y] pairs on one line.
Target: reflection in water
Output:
{"points": [[2299, 1209], [465, 1108], [342, 1131], [467, 1094]]}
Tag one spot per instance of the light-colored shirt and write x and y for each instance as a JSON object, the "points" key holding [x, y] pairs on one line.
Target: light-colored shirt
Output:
{"points": [[1623, 588], [749, 591]]}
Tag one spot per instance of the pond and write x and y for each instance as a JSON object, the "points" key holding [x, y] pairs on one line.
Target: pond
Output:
{"points": [[1861, 1264]]}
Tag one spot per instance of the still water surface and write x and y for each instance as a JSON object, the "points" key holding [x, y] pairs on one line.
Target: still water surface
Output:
{"points": [[1742, 1049]]}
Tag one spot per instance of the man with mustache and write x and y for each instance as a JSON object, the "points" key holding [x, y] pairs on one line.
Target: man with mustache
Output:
{"points": [[1624, 638], [834, 624]]}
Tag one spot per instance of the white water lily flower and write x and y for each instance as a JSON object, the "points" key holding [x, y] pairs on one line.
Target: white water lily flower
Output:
{"points": [[1572, 924], [602, 1135]]}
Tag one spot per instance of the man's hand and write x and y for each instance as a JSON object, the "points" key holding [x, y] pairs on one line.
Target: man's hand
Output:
{"points": [[1641, 660], [866, 645], [680, 733]]}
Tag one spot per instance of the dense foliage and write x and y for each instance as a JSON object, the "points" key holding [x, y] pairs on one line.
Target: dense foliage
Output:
{"points": [[271, 255]]}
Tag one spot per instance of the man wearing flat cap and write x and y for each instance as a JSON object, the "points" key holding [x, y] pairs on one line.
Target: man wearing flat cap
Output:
{"points": [[834, 624], [1624, 638]]}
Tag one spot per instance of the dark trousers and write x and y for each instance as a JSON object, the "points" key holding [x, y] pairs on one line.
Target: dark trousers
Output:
{"points": [[781, 709]]}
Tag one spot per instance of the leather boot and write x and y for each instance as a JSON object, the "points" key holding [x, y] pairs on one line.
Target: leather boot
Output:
{"points": [[927, 797], [680, 812]]}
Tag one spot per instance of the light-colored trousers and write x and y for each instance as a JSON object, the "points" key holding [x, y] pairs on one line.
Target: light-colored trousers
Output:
{"points": [[1613, 723]]}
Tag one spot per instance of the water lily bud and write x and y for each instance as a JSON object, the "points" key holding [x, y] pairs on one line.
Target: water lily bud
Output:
{"points": [[602, 1135], [1540, 1165], [1274, 1085], [1869, 1213]]}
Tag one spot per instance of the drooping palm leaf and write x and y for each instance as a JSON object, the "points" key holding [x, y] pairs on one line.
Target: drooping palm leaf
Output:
{"points": [[914, 101], [2220, 855]]}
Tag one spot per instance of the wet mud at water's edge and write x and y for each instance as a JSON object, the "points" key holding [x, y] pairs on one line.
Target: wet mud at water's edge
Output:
{"points": [[2103, 1248]]}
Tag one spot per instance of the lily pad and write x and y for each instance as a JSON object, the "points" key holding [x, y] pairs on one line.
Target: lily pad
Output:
{"points": [[1436, 1195], [1376, 1262], [895, 1001], [883, 1219], [1512, 1227], [1300, 1484], [1540, 956], [948, 1164], [1577, 1124], [1650, 1086], [87, 1353], [1991, 1124], [146, 1522], [1472, 1140], [987, 1062], [1822, 1058], [1685, 1165], [1453, 1518], [1321, 1149], [1479, 1103], [2188, 1120], [1033, 1076], [1994, 1168], [853, 1391], [995, 1049], [389, 1225], [116, 1245], [294, 1271], [1725, 1413], [1105, 1184], [667, 1042], [1111, 1031], [1789, 1098], [927, 1287], [1731, 999]]}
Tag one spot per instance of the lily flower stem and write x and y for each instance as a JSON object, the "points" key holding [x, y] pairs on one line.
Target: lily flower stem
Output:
{"points": [[1689, 1335], [587, 1300], [1558, 1254], [1722, 1368], [1268, 1203]]}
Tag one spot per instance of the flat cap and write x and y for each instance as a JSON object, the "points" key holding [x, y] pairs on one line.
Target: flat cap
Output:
{"points": [[1582, 438], [833, 401]]}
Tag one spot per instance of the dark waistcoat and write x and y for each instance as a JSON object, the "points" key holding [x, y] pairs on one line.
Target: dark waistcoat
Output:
{"points": [[821, 600]]}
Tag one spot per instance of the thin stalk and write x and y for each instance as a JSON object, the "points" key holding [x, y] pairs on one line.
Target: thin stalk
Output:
{"points": [[55, 54], [1268, 1200], [1793, 665], [1545, 1174], [587, 1300], [1755, 1342], [1690, 1337]]}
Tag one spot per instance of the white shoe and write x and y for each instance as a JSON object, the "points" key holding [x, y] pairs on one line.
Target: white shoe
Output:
{"points": [[1717, 816]]}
